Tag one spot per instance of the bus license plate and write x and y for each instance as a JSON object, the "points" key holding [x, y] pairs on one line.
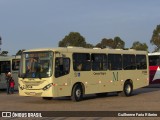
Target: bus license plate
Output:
{"points": [[32, 93]]}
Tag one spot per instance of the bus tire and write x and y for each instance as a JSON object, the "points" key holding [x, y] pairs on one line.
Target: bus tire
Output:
{"points": [[77, 93], [127, 89], [47, 98]]}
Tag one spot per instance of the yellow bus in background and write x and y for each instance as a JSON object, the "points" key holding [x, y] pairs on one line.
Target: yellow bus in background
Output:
{"points": [[9, 64], [75, 72]]}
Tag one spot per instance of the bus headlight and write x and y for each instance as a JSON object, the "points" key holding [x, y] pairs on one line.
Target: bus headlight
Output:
{"points": [[47, 86]]}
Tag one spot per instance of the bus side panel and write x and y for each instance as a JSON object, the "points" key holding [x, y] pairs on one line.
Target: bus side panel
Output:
{"points": [[141, 79], [154, 74], [63, 85], [88, 79], [3, 84], [99, 81]]}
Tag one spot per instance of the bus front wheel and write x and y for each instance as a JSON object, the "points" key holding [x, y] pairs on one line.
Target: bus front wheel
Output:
{"points": [[77, 93]]}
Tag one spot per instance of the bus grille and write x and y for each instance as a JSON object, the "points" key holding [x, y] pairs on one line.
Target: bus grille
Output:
{"points": [[33, 83]]}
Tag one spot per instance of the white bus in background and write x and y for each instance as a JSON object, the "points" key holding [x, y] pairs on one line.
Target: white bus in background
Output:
{"points": [[154, 67], [76, 71], [9, 64]]}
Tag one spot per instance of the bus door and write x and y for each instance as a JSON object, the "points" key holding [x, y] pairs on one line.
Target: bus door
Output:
{"points": [[15, 68], [61, 74]]}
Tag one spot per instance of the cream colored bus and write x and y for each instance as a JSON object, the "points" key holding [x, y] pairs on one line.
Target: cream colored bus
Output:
{"points": [[9, 64], [77, 71]]}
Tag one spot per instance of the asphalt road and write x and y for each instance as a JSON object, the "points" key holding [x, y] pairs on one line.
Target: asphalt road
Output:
{"points": [[144, 99]]}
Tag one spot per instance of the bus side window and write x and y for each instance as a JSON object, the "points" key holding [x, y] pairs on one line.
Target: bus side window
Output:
{"points": [[81, 62], [66, 65], [99, 62], [115, 61], [62, 66], [141, 62]]}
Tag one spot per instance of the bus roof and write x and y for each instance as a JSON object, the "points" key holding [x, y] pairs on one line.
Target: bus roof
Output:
{"points": [[155, 53], [9, 57], [84, 50]]}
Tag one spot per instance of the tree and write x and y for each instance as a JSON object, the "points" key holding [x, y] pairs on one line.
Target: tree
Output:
{"points": [[106, 43], [99, 45], [155, 40], [3, 53], [118, 43], [89, 46], [20, 52], [139, 46], [111, 43], [73, 39]]}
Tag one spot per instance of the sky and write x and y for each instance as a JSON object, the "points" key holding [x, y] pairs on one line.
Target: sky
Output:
{"points": [[27, 24]]}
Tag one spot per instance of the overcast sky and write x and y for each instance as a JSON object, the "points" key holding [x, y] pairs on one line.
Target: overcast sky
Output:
{"points": [[26, 24]]}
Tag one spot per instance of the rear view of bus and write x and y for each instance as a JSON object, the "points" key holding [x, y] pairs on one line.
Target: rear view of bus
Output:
{"points": [[154, 67], [9, 64]]}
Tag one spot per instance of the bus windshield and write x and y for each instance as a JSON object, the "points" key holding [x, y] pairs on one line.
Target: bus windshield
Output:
{"points": [[36, 65]]}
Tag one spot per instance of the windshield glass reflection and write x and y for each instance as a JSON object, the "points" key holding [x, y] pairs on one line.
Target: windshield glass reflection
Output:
{"points": [[38, 64]]}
